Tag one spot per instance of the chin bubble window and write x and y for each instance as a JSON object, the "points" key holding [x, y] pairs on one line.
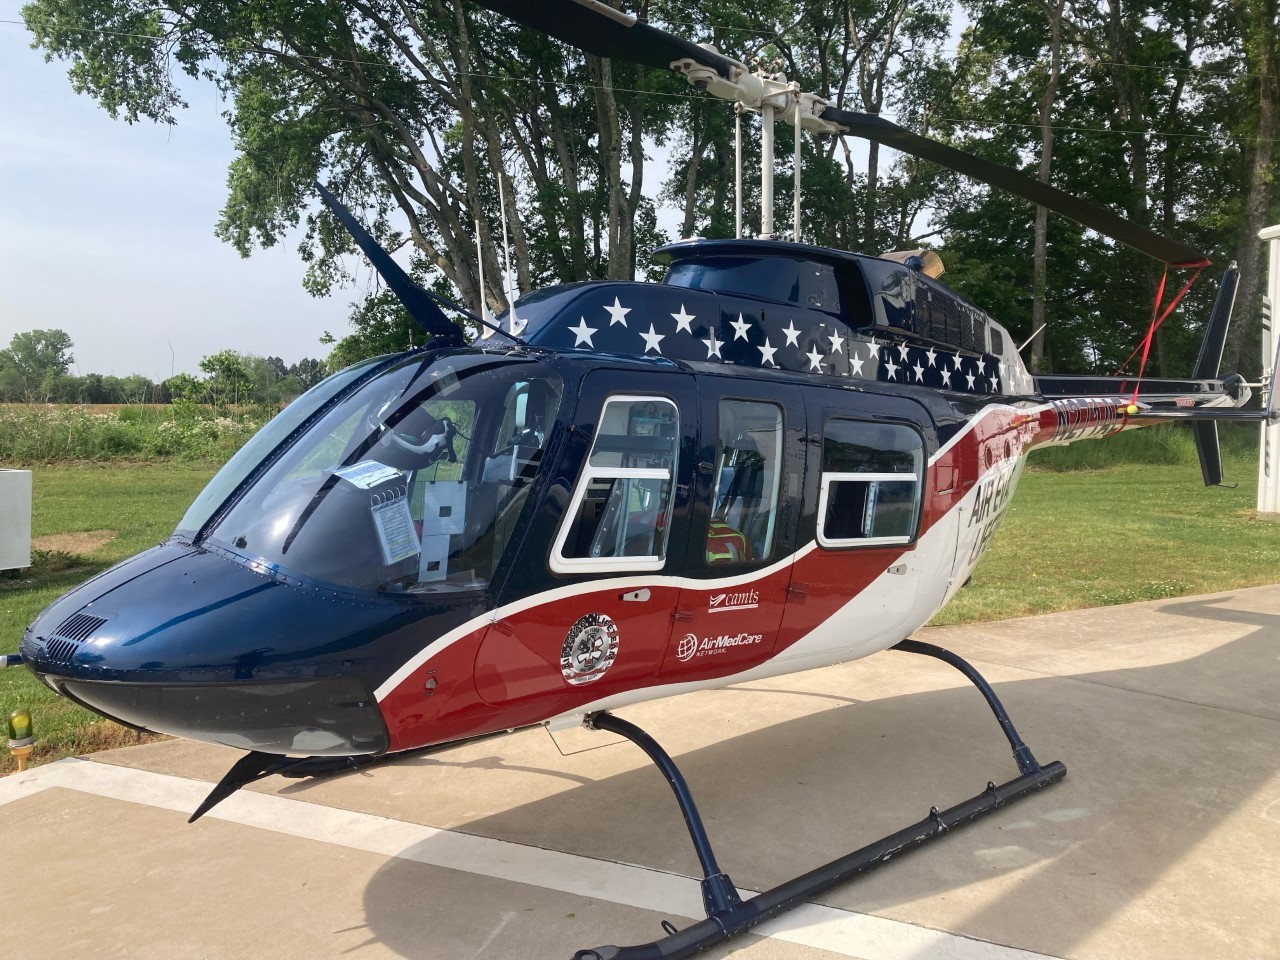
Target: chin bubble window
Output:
{"points": [[621, 509], [413, 484], [872, 476]]}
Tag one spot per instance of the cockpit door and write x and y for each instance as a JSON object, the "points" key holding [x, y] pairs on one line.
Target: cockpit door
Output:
{"points": [[742, 534]]}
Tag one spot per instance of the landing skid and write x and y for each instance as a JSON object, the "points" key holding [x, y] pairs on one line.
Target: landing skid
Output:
{"points": [[728, 915]]}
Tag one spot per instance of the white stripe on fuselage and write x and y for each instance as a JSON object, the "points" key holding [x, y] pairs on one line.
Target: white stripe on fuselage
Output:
{"points": [[880, 598]]}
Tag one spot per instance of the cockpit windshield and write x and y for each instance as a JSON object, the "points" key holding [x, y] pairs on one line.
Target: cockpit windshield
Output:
{"points": [[413, 484]]}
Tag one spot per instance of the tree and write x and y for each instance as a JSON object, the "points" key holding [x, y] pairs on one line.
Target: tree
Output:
{"points": [[228, 380], [412, 112], [1258, 25], [33, 362], [307, 373]]}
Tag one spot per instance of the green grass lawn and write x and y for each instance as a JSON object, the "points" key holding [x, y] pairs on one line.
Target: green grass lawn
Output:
{"points": [[1090, 538], [1070, 539], [138, 505]]}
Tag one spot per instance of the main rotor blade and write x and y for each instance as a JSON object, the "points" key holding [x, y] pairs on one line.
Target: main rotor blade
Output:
{"points": [[595, 28], [871, 127], [416, 300]]}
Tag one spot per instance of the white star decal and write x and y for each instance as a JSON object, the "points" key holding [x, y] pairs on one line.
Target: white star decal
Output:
{"points": [[793, 335], [919, 372], [931, 354], [740, 328], [713, 346], [982, 365], [971, 378], [815, 359], [617, 313], [873, 348], [855, 364], [902, 351], [582, 333], [891, 367], [946, 376], [837, 344], [683, 321], [652, 339], [995, 384], [766, 353]]}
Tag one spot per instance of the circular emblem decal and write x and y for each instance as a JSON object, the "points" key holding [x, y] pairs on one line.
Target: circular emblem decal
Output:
{"points": [[687, 648], [589, 649]]}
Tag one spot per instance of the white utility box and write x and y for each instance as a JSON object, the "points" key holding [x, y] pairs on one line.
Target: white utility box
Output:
{"points": [[15, 519]]}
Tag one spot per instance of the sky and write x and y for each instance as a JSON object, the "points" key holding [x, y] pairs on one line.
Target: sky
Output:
{"points": [[106, 231]]}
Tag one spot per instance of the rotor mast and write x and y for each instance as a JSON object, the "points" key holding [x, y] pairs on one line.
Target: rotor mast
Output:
{"points": [[769, 93]]}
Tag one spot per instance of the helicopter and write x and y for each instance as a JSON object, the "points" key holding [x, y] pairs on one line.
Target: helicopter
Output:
{"points": [[780, 457]]}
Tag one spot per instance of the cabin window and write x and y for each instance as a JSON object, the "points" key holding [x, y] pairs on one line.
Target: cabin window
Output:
{"points": [[872, 477], [621, 510], [805, 283], [748, 469]]}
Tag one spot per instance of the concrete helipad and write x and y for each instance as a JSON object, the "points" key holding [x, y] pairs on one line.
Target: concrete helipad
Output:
{"points": [[1163, 841]]}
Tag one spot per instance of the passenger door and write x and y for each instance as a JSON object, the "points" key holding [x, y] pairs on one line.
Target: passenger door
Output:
{"points": [[742, 531]]}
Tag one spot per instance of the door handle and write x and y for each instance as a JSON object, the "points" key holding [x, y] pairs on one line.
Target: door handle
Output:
{"points": [[637, 596], [682, 616]]}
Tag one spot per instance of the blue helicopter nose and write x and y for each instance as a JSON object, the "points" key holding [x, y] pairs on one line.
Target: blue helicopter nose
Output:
{"points": [[199, 642]]}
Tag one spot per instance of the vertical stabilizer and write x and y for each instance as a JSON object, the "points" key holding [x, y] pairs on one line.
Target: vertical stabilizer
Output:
{"points": [[1207, 368]]}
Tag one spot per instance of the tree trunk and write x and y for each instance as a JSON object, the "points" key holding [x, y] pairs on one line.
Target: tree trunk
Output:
{"points": [[1258, 21], [1040, 251]]}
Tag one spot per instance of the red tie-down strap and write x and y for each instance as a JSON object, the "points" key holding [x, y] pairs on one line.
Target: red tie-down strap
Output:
{"points": [[1157, 318]]}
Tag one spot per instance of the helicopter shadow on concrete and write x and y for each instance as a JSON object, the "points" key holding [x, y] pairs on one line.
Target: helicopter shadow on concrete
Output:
{"points": [[1072, 872]]}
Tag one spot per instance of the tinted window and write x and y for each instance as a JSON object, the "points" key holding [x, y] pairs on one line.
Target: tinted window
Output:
{"points": [[748, 471], [414, 483], [264, 442], [872, 476], [805, 283], [621, 512]]}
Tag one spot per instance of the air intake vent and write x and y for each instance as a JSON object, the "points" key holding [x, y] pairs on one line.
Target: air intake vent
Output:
{"points": [[60, 651], [67, 638], [78, 627]]}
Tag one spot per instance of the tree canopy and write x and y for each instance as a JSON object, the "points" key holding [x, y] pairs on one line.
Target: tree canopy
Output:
{"points": [[415, 111]]}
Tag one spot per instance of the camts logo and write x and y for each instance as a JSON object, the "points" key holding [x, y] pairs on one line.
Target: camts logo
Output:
{"points": [[691, 646], [741, 600]]}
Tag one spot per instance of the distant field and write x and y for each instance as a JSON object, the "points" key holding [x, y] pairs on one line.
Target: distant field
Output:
{"points": [[1071, 539], [51, 433]]}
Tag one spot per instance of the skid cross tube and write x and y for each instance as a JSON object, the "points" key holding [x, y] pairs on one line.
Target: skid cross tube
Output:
{"points": [[728, 915]]}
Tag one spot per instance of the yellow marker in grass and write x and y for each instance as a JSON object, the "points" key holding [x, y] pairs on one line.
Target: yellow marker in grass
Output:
{"points": [[21, 736]]}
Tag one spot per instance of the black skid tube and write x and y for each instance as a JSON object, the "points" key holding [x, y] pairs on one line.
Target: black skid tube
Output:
{"points": [[707, 933], [728, 915]]}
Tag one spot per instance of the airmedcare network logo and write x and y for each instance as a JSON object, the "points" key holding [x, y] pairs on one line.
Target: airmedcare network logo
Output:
{"points": [[691, 646]]}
